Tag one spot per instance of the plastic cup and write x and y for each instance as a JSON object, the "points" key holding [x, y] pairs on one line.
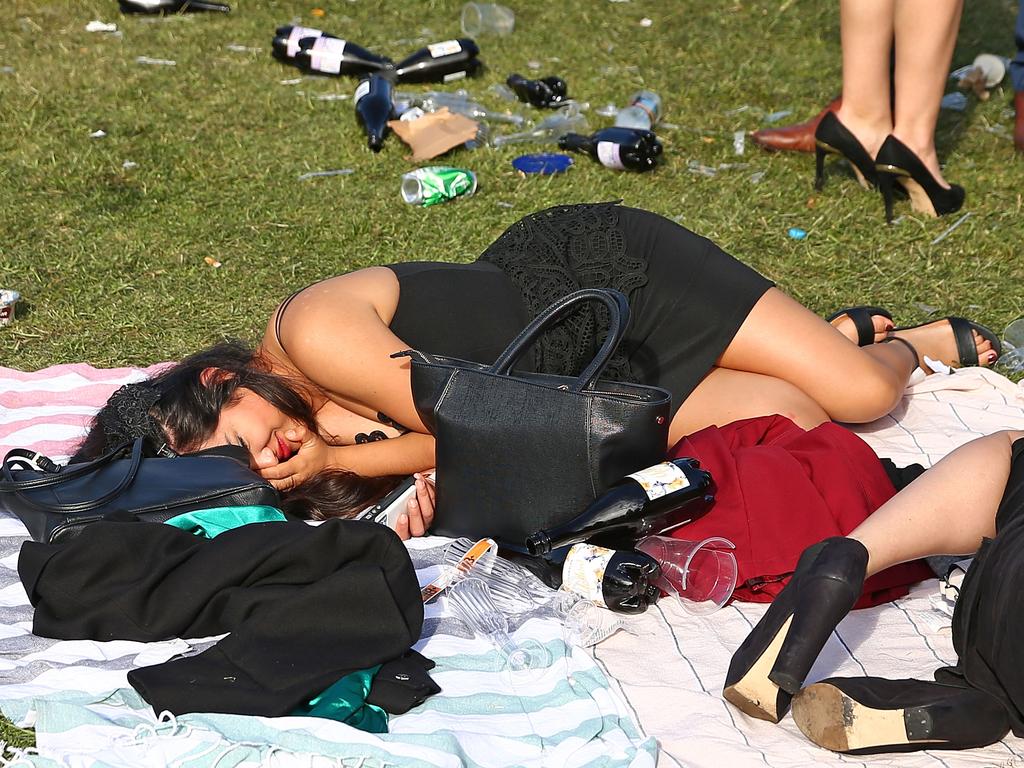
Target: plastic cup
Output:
{"points": [[702, 574], [487, 18], [992, 67], [8, 300], [1013, 346]]}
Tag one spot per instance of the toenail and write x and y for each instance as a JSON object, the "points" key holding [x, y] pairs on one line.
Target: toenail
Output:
{"points": [[992, 356]]}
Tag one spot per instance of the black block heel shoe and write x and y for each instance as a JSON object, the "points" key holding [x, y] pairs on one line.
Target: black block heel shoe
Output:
{"points": [[867, 715], [897, 163], [832, 137], [771, 664]]}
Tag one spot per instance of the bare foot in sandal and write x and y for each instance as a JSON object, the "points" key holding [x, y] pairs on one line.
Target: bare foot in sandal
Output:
{"points": [[880, 326], [955, 341]]}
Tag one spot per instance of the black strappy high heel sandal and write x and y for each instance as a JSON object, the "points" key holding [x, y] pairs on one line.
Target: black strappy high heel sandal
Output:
{"points": [[897, 163], [862, 321], [771, 664], [832, 137]]}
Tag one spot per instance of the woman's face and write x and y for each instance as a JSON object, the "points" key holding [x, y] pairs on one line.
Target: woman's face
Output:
{"points": [[258, 427]]}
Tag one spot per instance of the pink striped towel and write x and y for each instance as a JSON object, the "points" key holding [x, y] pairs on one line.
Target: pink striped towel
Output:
{"points": [[49, 410]]}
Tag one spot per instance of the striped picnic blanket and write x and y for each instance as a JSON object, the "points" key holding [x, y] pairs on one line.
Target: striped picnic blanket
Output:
{"points": [[665, 673]]}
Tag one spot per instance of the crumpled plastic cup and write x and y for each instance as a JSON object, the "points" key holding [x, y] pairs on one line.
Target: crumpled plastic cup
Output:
{"points": [[8, 301], [487, 18], [1012, 358], [702, 574]]}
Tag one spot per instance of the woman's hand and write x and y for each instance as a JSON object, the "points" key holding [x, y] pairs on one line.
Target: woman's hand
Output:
{"points": [[419, 513], [311, 458]]}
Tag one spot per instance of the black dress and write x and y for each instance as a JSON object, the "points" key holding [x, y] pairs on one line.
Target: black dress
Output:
{"points": [[687, 297]]}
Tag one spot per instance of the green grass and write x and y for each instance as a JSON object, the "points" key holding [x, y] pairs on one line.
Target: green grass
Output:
{"points": [[111, 260]]}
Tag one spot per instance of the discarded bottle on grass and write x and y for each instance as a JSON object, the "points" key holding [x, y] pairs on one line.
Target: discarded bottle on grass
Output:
{"points": [[334, 56], [442, 62], [621, 149], [436, 184], [286, 39], [620, 580], [643, 111], [374, 107], [565, 121], [545, 92], [431, 101], [171, 6], [640, 504]]}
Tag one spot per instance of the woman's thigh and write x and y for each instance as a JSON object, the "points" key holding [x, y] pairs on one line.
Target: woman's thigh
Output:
{"points": [[726, 395], [783, 339]]}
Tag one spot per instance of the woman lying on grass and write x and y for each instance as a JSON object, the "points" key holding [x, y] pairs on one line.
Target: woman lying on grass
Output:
{"points": [[322, 407]]}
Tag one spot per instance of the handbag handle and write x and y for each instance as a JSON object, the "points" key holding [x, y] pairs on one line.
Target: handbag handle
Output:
{"points": [[618, 313], [18, 487]]}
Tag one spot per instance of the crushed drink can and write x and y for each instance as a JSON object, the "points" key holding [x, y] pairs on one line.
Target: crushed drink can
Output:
{"points": [[7, 301], [436, 184]]}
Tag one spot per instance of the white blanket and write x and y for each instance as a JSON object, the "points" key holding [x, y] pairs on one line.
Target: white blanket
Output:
{"points": [[667, 673]]}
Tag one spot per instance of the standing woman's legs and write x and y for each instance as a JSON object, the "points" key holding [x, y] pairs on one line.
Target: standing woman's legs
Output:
{"points": [[866, 28], [925, 36]]}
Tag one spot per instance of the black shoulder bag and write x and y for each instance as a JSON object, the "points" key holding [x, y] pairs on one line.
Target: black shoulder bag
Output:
{"points": [[517, 452], [55, 502]]}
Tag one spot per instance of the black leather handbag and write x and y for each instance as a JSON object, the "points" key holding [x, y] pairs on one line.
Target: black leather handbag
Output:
{"points": [[517, 452], [56, 503]]}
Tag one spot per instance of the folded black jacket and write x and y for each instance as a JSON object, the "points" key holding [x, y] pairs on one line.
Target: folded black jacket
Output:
{"points": [[304, 605]]}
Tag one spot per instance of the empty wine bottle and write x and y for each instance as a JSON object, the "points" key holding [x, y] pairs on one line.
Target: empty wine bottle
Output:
{"points": [[640, 504], [334, 56], [286, 39], [643, 111], [374, 107], [171, 6], [621, 149], [440, 62], [546, 92], [620, 580]]}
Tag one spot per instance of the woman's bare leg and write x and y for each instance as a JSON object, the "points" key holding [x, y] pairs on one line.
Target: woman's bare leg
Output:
{"points": [[866, 29], [925, 35], [783, 339], [725, 395], [946, 511]]}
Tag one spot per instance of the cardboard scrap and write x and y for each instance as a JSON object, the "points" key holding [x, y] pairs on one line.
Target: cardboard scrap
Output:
{"points": [[435, 133]]}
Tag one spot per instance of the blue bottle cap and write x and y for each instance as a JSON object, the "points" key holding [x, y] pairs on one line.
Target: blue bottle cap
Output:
{"points": [[546, 163], [796, 233]]}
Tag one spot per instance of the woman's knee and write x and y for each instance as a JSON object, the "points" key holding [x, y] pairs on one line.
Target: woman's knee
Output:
{"points": [[865, 394]]}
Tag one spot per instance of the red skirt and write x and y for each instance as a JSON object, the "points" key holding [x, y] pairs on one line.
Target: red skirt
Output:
{"points": [[779, 489]]}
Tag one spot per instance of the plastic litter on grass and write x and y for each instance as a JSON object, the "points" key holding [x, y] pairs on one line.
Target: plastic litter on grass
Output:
{"points": [[155, 62], [322, 174]]}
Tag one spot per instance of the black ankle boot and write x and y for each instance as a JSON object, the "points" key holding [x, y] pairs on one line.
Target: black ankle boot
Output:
{"points": [[866, 715], [832, 137], [896, 162], [771, 664]]}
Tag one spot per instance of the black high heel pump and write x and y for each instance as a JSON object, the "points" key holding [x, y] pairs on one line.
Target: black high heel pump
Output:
{"points": [[771, 664], [832, 137], [897, 163]]}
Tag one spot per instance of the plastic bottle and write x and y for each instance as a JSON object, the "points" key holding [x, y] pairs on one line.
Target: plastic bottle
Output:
{"points": [[620, 580], [374, 107], [642, 503], [442, 62], [621, 149], [547, 130], [643, 111]]}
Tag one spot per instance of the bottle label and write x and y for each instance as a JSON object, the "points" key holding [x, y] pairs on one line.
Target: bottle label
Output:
{"points": [[661, 479], [326, 55], [447, 48], [361, 90], [608, 154], [297, 34], [453, 76], [583, 571]]}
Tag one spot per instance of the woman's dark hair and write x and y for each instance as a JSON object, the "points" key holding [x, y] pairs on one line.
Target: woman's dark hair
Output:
{"points": [[187, 409]]}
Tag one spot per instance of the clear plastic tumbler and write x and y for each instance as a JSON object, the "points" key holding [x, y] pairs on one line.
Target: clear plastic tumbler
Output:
{"points": [[487, 18], [702, 574]]}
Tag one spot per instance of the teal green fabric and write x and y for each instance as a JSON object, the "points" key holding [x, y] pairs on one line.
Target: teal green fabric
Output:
{"points": [[210, 523], [345, 701]]}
